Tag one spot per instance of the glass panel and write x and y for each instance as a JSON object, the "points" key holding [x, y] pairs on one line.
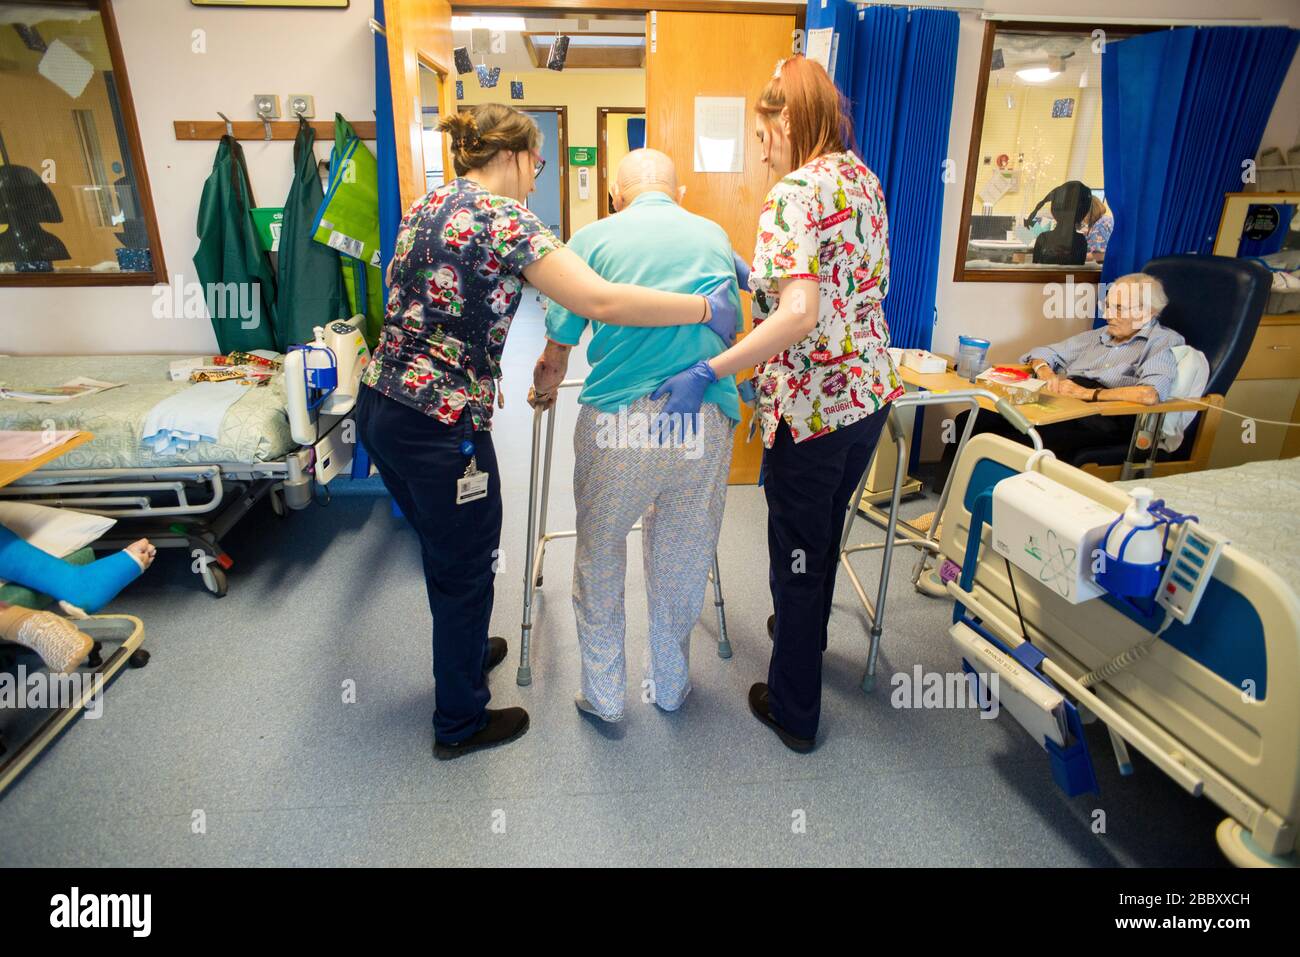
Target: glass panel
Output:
{"points": [[68, 196], [1039, 197], [430, 83]]}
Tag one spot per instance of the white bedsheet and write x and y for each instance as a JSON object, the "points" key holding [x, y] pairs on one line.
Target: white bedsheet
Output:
{"points": [[1256, 506]]}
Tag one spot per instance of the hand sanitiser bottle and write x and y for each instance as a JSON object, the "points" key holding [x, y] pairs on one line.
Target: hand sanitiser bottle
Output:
{"points": [[1135, 550], [1146, 544]]}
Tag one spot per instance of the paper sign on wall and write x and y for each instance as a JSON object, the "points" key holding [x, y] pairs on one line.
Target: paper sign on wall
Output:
{"points": [[719, 134], [823, 45]]}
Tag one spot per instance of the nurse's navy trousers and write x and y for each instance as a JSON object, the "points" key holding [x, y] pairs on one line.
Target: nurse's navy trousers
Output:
{"points": [[808, 486], [420, 461]]}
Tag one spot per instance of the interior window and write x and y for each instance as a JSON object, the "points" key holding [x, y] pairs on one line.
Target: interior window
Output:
{"points": [[73, 200], [1036, 193]]}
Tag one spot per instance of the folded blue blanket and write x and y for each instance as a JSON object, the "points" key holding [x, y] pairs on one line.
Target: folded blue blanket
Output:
{"points": [[181, 421]]}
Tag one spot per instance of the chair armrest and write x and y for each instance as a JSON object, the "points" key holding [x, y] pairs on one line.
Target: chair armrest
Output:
{"points": [[1137, 408]]}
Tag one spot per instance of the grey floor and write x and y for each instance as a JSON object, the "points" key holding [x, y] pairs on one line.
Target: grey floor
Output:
{"points": [[239, 723]]}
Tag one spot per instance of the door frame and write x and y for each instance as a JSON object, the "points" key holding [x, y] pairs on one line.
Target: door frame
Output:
{"points": [[562, 123], [602, 187], [416, 32], [430, 63], [594, 7]]}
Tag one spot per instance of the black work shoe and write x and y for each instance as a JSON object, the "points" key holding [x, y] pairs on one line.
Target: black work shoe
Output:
{"points": [[771, 627], [496, 653], [758, 704], [503, 726]]}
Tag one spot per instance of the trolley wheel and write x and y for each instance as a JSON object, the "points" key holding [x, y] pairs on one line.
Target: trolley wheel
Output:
{"points": [[277, 503], [139, 658], [95, 658], [214, 579], [1241, 851]]}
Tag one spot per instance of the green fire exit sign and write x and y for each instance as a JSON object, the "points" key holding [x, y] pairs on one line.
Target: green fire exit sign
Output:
{"points": [[582, 156]]}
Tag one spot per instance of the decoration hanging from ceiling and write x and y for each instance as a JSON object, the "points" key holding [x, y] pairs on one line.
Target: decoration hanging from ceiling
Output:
{"points": [[559, 53]]}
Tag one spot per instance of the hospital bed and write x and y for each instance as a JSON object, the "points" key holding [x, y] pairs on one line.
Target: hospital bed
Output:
{"points": [[188, 500], [1216, 702]]}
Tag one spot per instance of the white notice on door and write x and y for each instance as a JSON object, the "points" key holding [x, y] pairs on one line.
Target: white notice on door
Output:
{"points": [[719, 134]]}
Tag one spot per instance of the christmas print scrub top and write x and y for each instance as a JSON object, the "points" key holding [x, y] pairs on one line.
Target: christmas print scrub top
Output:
{"points": [[455, 282], [826, 221]]}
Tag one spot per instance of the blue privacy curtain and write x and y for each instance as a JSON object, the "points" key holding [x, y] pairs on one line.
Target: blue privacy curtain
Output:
{"points": [[390, 198], [897, 67], [636, 133], [1181, 110]]}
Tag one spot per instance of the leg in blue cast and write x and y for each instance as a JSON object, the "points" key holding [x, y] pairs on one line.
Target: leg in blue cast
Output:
{"points": [[87, 587]]}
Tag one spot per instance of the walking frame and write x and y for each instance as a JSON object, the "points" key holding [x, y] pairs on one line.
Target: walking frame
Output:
{"points": [[537, 538], [924, 542]]}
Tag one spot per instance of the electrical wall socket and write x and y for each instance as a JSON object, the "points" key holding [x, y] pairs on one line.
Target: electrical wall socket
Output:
{"points": [[302, 104], [267, 105]]}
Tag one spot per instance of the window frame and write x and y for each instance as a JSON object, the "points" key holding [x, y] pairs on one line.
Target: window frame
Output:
{"points": [[144, 194], [960, 272]]}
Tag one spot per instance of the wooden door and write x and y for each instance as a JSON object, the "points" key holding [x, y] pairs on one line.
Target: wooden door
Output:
{"points": [[715, 54], [418, 31]]}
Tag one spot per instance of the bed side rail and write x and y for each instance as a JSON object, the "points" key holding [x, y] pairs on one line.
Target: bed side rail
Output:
{"points": [[119, 493]]}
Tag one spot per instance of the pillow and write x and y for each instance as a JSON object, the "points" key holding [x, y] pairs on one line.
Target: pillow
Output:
{"points": [[1189, 383], [58, 531]]}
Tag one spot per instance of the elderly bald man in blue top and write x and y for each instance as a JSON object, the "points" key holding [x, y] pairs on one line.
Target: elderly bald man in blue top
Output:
{"points": [[624, 470]]}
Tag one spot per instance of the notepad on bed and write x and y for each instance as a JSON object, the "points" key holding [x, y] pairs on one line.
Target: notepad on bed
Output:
{"points": [[20, 446]]}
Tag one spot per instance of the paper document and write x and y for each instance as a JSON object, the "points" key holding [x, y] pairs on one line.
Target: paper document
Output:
{"points": [[72, 389], [20, 446], [823, 46], [719, 134]]}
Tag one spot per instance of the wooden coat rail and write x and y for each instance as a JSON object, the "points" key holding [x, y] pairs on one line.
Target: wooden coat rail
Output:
{"points": [[255, 129]]}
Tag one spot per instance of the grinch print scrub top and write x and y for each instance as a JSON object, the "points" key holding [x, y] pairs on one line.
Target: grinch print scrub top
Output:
{"points": [[826, 221], [455, 282]]}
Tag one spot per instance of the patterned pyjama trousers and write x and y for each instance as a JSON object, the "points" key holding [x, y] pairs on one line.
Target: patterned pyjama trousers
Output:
{"points": [[679, 490]]}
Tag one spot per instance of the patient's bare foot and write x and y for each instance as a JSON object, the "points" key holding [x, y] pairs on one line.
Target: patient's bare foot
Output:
{"points": [[143, 552]]}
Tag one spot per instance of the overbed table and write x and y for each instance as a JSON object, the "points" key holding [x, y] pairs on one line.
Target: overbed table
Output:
{"points": [[1051, 409], [11, 471]]}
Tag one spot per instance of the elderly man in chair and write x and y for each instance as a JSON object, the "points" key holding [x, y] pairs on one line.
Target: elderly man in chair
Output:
{"points": [[1130, 359]]}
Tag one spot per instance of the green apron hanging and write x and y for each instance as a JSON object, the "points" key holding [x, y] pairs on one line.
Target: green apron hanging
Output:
{"points": [[348, 221], [310, 292], [234, 270]]}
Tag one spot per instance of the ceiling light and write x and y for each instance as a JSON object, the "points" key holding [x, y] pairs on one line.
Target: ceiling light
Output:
{"points": [[488, 23], [1038, 74]]}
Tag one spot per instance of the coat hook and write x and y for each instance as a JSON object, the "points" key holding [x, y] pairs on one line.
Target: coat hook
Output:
{"points": [[230, 129], [266, 123]]}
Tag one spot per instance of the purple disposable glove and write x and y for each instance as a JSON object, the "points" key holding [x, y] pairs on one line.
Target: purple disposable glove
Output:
{"points": [[742, 270], [724, 313], [685, 393]]}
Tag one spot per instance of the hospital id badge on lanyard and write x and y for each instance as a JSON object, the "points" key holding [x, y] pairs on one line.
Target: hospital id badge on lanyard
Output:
{"points": [[473, 485]]}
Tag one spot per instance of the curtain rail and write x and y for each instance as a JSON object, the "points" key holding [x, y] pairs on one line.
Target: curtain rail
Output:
{"points": [[1134, 21]]}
